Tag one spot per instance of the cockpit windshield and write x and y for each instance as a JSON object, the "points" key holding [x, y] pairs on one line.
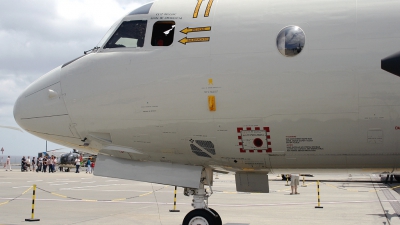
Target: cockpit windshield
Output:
{"points": [[108, 34], [130, 34]]}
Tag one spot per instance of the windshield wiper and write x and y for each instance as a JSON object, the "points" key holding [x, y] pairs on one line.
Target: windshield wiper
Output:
{"points": [[91, 50]]}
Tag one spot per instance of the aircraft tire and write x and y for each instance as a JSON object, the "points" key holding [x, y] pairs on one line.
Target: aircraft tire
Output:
{"points": [[218, 219], [199, 217]]}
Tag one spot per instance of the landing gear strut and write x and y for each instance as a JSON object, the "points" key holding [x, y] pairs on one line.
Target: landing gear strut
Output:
{"points": [[201, 215]]}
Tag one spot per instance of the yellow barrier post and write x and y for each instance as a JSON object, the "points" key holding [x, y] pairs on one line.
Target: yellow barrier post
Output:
{"points": [[174, 210], [32, 219], [287, 180], [319, 201], [304, 182]]}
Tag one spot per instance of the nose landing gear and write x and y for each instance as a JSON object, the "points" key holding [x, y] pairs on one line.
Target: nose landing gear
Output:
{"points": [[201, 215]]}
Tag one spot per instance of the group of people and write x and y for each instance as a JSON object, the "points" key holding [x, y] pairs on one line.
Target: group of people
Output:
{"points": [[42, 164], [39, 165], [28, 164], [89, 164], [47, 162]]}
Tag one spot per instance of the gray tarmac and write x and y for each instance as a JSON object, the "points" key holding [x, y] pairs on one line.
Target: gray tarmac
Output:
{"points": [[71, 198]]}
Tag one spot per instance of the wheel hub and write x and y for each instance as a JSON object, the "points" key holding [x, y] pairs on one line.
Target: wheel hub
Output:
{"points": [[198, 220]]}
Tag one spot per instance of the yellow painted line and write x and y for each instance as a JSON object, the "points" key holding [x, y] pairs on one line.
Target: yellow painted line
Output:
{"points": [[27, 190], [196, 10], [119, 199], [208, 9], [145, 194], [4, 203], [330, 185], [88, 200]]}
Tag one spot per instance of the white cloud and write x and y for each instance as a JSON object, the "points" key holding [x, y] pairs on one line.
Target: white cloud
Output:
{"points": [[103, 14], [11, 87]]}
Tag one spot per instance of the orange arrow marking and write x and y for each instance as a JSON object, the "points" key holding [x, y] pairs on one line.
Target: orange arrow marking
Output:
{"points": [[192, 40], [195, 29]]}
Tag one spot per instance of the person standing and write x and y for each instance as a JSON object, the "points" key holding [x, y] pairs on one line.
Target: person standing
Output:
{"points": [[8, 163], [77, 164], [28, 163], [44, 164], [55, 164], [294, 182], [50, 163], [33, 164], [23, 164], [92, 165], [81, 159], [88, 164], [40, 164]]}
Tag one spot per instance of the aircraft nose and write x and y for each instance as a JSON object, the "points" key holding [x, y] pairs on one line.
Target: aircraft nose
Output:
{"points": [[41, 110]]}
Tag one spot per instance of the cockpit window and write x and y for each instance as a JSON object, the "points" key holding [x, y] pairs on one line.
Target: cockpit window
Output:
{"points": [[130, 34], [163, 33], [142, 10], [107, 35]]}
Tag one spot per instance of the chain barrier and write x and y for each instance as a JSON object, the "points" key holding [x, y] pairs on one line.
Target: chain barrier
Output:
{"points": [[94, 200], [354, 190], [80, 199], [3, 203], [148, 193], [307, 184]]}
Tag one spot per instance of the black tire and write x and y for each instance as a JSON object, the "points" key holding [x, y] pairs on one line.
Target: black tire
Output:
{"points": [[218, 219], [199, 214]]}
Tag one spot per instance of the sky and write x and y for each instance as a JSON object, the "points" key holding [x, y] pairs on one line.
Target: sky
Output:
{"points": [[37, 36]]}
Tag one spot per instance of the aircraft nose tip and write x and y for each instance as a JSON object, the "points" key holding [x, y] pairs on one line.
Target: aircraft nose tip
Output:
{"points": [[40, 109], [17, 110]]}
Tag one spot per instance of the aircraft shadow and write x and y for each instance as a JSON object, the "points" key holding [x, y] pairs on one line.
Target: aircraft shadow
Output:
{"points": [[394, 186], [388, 216]]}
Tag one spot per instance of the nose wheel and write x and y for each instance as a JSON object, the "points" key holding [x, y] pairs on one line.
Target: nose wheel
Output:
{"points": [[218, 220], [202, 217]]}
